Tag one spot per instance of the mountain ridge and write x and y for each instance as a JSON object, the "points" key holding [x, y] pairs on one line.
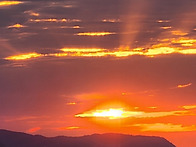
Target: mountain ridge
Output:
{"points": [[21, 139]]}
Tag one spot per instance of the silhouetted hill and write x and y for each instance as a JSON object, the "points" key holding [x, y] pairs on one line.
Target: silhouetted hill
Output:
{"points": [[17, 139]]}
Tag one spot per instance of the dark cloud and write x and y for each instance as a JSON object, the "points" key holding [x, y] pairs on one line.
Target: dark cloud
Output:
{"points": [[4, 62], [51, 35]]}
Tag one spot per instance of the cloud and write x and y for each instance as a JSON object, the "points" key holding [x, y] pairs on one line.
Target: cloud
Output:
{"points": [[113, 113], [161, 127], [111, 20], [71, 103], [95, 33], [156, 50], [55, 20], [38, 15], [71, 27], [154, 107], [24, 56], [179, 33], [8, 3], [163, 21], [185, 41], [166, 27], [23, 118], [32, 13], [83, 50], [184, 86], [162, 50], [188, 52], [189, 107], [33, 130], [17, 26], [68, 128]]}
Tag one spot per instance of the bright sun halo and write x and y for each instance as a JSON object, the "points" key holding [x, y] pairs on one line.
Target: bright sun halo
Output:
{"points": [[111, 113]]}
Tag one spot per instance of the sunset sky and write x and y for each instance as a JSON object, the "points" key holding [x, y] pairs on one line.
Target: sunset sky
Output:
{"points": [[81, 67]]}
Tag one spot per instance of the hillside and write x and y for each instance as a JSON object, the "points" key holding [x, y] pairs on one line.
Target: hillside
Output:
{"points": [[17, 139]]}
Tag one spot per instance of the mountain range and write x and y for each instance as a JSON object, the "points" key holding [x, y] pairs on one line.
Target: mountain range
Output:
{"points": [[19, 139]]}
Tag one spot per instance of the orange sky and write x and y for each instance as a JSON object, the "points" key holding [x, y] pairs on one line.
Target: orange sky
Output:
{"points": [[75, 68]]}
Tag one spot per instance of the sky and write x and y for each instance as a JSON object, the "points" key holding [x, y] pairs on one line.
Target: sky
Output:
{"points": [[81, 67]]}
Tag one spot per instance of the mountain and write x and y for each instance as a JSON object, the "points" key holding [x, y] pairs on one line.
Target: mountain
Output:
{"points": [[17, 139]]}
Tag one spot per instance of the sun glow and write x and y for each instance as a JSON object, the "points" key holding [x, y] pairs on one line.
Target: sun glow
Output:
{"points": [[120, 113], [111, 113]]}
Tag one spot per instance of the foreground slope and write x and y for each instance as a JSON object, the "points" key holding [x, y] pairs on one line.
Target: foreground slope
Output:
{"points": [[17, 139]]}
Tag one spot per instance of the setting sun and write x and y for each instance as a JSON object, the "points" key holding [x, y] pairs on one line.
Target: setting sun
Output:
{"points": [[111, 113], [108, 113]]}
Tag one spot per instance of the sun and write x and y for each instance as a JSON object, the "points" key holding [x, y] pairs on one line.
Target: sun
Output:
{"points": [[111, 110], [110, 113]]}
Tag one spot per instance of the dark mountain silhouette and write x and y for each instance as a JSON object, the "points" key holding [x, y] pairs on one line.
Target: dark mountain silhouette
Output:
{"points": [[17, 139]]}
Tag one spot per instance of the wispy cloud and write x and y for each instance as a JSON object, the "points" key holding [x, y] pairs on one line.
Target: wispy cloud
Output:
{"points": [[55, 20], [23, 118], [185, 41], [32, 13], [24, 56], [120, 53], [70, 27], [111, 20], [95, 33], [162, 127], [16, 26], [84, 50], [33, 130], [68, 128], [8, 3], [71, 103], [184, 85], [163, 21], [166, 27], [187, 107], [179, 33], [153, 107], [119, 113], [156, 50]]}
